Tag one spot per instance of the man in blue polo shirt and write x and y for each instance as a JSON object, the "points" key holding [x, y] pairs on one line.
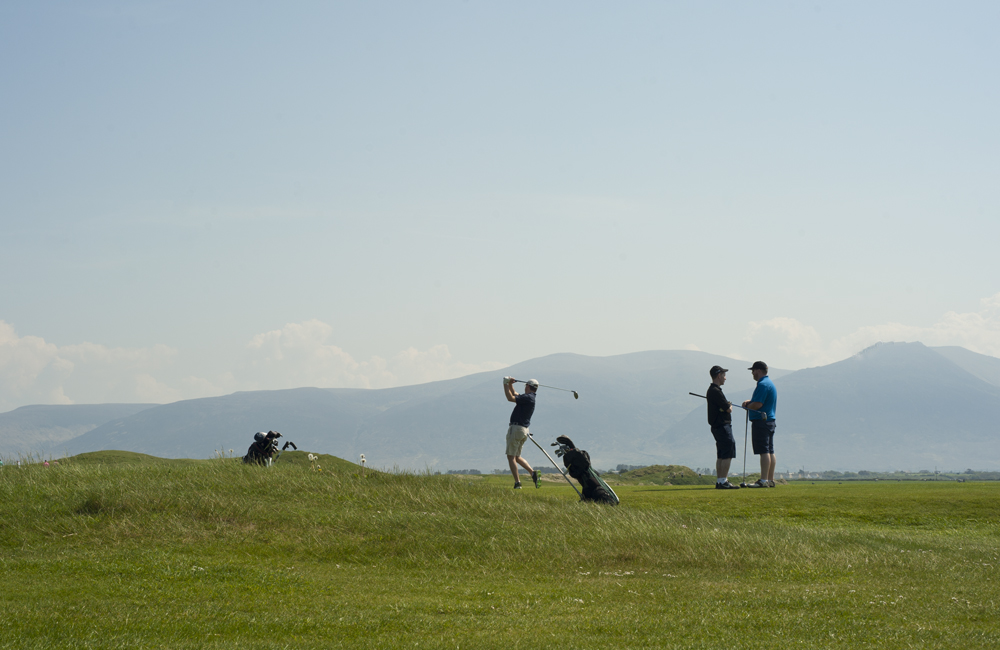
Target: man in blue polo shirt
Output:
{"points": [[761, 406], [517, 431]]}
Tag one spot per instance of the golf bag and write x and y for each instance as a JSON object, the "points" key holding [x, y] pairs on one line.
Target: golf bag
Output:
{"points": [[577, 463], [264, 447]]}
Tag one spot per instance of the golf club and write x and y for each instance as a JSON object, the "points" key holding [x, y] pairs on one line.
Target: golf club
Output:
{"points": [[532, 438], [272, 461], [575, 395], [739, 406], [745, 428]]}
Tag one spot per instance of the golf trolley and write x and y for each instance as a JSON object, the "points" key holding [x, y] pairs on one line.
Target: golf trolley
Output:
{"points": [[264, 450], [578, 465]]}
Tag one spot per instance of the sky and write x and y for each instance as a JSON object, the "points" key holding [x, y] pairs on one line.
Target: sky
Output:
{"points": [[199, 198]]}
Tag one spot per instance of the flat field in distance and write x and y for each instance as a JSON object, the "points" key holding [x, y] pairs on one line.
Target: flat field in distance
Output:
{"points": [[219, 555]]}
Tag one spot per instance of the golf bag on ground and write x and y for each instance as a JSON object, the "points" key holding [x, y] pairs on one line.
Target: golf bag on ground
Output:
{"points": [[264, 447], [577, 462]]}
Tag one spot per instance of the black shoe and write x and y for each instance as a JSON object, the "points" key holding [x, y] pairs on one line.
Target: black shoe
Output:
{"points": [[517, 486], [759, 484], [726, 486], [536, 476]]}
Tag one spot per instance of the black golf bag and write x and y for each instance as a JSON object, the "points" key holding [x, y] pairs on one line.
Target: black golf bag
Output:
{"points": [[264, 447], [577, 462]]}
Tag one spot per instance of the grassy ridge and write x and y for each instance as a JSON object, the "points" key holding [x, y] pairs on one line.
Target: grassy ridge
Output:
{"points": [[662, 475], [218, 554]]}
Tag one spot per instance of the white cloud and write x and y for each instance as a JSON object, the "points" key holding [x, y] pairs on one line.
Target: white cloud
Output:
{"points": [[797, 345], [299, 354], [30, 369], [412, 366], [33, 371], [788, 335], [148, 389]]}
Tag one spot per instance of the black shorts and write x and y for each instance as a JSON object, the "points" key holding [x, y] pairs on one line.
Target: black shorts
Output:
{"points": [[725, 445], [762, 435]]}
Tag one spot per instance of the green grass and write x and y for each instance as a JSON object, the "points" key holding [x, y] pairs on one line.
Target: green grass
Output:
{"points": [[217, 554]]}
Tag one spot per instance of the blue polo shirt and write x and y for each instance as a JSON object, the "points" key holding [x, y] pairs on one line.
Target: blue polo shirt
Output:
{"points": [[766, 394], [524, 406]]}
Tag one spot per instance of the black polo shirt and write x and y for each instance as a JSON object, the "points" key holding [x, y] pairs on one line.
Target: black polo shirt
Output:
{"points": [[524, 406], [718, 407]]}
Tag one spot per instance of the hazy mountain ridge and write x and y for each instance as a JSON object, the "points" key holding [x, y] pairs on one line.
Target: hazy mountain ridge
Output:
{"points": [[892, 406], [458, 422], [38, 428], [984, 367]]}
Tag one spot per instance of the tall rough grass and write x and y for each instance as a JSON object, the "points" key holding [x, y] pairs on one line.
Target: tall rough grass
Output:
{"points": [[168, 555]]}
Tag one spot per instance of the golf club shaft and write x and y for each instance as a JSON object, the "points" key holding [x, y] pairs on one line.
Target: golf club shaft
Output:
{"points": [[739, 406], [745, 428], [554, 465], [521, 381]]}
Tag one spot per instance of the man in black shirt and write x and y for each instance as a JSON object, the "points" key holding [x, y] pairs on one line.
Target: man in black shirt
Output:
{"points": [[517, 430], [721, 420]]}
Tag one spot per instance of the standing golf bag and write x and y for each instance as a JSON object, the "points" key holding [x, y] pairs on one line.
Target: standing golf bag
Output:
{"points": [[264, 447], [577, 462]]}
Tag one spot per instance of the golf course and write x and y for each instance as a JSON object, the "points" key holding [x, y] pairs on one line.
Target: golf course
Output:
{"points": [[116, 550]]}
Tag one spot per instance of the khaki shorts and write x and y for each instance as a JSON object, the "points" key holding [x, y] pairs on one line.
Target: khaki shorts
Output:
{"points": [[516, 435]]}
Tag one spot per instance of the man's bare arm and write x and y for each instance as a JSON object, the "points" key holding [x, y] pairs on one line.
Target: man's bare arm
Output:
{"points": [[508, 391]]}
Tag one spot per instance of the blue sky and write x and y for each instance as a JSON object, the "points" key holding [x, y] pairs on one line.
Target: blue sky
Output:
{"points": [[197, 198]]}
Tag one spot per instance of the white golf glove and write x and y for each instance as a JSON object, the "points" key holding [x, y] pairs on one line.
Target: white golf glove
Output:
{"points": [[507, 380]]}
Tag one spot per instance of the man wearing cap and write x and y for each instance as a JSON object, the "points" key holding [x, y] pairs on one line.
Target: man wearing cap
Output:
{"points": [[517, 431], [721, 420], [761, 406]]}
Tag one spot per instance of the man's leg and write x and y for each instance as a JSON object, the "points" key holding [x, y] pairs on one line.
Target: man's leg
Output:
{"points": [[725, 451], [513, 451], [513, 468], [759, 436], [765, 465], [770, 470], [523, 463]]}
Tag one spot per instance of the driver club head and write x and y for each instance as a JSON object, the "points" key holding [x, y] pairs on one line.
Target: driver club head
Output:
{"points": [[576, 395]]}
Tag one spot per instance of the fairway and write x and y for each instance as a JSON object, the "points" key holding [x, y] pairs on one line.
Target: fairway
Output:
{"points": [[217, 554]]}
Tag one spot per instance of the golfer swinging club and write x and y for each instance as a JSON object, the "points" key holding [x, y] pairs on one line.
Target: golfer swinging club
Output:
{"points": [[721, 420], [517, 432], [761, 406]]}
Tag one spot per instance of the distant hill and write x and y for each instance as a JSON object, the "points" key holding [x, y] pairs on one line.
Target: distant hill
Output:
{"points": [[625, 401], [892, 406], [979, 365], [36, 429]]}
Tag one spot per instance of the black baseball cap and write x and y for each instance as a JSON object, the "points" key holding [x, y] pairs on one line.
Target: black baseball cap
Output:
{"points": [[716, 370], [758, 365]]}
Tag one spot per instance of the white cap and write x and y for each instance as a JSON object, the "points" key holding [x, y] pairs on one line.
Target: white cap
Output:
{"points": [[532, 382]]}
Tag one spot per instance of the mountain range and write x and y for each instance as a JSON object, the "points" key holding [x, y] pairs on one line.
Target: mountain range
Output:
{"points": [[892, 406]]}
